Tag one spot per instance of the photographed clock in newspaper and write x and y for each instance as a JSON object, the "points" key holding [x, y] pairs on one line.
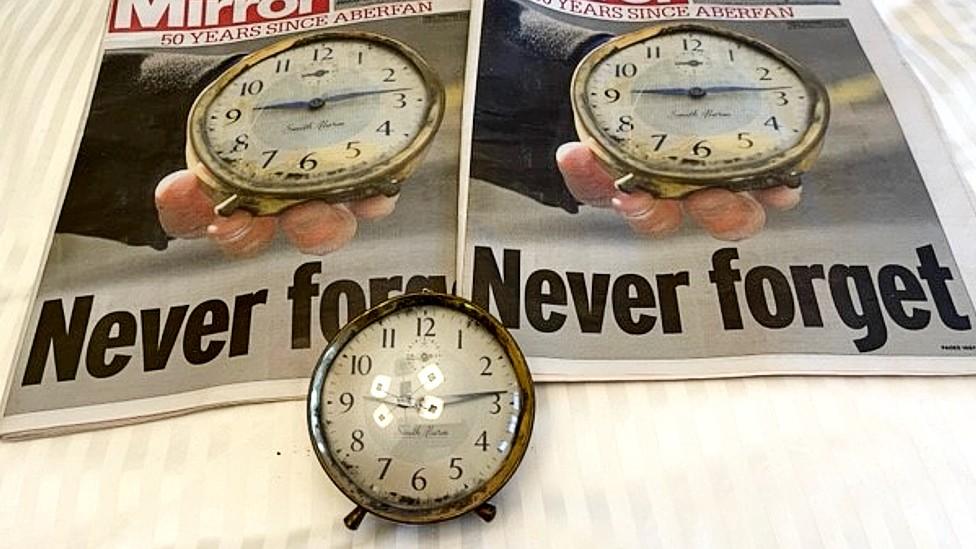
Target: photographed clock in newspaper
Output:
{"points": [[680, 107], [421, 409], [333, 116]]}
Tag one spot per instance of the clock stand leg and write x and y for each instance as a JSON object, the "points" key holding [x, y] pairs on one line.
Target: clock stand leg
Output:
{"points": [[486, 511], [355, 518]]}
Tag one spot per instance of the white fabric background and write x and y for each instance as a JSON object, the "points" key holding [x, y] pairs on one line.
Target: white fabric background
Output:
{"points": [[778, 462]]}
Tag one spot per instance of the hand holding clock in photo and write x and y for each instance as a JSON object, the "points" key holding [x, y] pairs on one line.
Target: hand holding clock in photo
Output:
{"points": [[724, 214], [313, 227], [309, 134]]}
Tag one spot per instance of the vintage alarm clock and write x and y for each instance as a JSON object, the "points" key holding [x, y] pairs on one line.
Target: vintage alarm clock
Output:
{"points": [[333, 116], [680, 107], [421, 409]]}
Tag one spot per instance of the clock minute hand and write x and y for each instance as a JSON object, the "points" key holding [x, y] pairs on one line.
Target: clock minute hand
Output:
{"points": [[462, 397], [730, 89], [355, 94]]}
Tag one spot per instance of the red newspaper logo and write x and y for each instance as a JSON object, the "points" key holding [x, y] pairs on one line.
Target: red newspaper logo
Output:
{"points": [[161, 15]]}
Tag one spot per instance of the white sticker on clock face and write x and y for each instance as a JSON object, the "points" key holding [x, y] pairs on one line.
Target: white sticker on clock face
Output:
{"points": [[381, 386], [431, 377], [382, 415], [431, 407]]}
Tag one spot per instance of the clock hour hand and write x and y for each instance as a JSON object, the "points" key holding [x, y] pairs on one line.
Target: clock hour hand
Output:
{"points": [[285, 105], [664, 91], [400, 403]]}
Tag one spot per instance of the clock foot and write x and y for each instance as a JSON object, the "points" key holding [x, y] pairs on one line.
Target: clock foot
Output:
{"points": [[626, 184], [227, 206], [355, 518], [486, 511]]}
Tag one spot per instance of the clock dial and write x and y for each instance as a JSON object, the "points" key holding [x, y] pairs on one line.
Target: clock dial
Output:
{"points": [[327, 108], [677, 107], [422, 410], [696, 101]]}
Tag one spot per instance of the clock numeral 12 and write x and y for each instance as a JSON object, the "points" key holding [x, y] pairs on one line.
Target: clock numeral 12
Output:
{"points": [[425, 327]]}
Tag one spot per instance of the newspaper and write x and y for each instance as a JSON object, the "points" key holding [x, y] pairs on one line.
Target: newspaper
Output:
{"points": [[867, 268], [145, 313], [138, 316]]}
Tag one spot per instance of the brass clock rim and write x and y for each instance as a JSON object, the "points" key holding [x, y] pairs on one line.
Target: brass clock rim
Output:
{"points": [[781, 163], [475, 498], [232, 183]]}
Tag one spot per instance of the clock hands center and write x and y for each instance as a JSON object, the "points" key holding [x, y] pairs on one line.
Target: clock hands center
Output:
{"points": [[320, 101]]}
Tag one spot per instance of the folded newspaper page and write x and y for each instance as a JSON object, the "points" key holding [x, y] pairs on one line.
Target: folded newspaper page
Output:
{"points": [[251, 175], [678, 189]]}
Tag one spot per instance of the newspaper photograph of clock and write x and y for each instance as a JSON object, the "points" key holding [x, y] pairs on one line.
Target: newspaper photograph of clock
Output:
{"points": [[680, 107], [421, 409], [334, 116]]}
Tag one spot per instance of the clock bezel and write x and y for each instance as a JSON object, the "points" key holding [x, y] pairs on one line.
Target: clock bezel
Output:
{"points": [[488, 488], [783, 167]]}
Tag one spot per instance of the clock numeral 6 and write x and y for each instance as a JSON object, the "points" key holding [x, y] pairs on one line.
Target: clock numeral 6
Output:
{"points": [[418, 482], [308, 163], [701, 149]]}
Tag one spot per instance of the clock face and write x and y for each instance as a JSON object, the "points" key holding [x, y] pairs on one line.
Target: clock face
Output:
{"points": [[321, 110], [694, 102], [421, 410]]}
